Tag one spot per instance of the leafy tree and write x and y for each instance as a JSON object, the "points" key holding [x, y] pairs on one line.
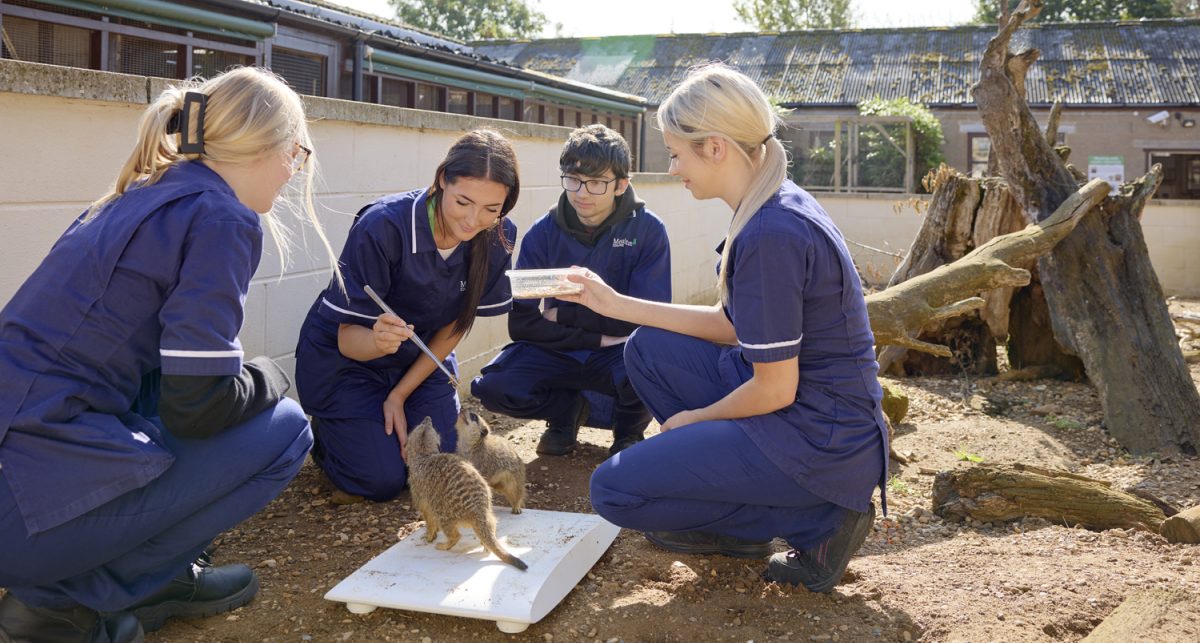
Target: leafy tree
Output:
{"points": [[468, 20], [792, 15], [988, 11]]}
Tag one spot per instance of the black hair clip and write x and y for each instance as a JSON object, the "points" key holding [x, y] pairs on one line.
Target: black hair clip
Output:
{"points": [[180, 123]]}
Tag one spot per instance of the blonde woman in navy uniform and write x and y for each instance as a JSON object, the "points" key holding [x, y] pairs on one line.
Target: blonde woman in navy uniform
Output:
{"points": [[132, 432], [769, 403], [437, 257]]}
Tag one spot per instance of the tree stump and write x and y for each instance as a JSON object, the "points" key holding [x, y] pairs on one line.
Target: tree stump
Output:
{"points": [[1105, 303], [999, 493]]}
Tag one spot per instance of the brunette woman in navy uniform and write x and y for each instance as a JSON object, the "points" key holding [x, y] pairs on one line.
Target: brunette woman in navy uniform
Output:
{"points": [[769, 403], [437, 257], [132, 431]]}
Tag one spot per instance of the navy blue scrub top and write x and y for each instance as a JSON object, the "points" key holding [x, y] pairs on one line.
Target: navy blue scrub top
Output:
{"points": [[391, 249], [793, 291], [156, 281]]}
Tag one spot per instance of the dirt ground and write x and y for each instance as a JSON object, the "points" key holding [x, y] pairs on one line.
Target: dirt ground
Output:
{"points": [[916, 578]]}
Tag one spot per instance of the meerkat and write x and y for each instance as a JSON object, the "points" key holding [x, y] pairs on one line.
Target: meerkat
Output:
{"points": [[449, 493], [494, 457]]}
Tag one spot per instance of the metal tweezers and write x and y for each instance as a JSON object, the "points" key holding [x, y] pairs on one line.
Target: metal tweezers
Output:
{"points": [[415, 339]]}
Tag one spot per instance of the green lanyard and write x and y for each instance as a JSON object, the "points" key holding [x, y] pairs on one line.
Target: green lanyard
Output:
{"points": [[432, 207]]}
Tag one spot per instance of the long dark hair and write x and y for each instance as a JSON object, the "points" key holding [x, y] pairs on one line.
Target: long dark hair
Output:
{"points": [[479, 154]]}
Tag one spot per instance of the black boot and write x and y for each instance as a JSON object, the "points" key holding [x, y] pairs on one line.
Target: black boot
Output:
{"points": [[21, 623], [624, 439], [560, 439], [198, 592], [820, 568]]}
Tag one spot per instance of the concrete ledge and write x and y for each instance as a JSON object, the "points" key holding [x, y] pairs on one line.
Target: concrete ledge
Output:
{"points": [[70, 82], [88, 84]]}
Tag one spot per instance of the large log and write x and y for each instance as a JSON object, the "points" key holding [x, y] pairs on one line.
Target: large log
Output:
{"points": [[1183, 527], [1105, 303], [999, 493], [898, 313], [1159, 615]]}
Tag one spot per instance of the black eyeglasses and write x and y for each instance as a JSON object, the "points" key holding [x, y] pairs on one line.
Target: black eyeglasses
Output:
{"points": [[594, 186], [300, 158]]}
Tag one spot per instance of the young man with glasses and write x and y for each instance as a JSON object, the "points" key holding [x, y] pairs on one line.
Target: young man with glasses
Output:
{"points": [[561, 349]]}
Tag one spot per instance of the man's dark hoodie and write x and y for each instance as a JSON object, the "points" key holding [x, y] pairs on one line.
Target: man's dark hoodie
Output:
{"points": [[578, 327]]}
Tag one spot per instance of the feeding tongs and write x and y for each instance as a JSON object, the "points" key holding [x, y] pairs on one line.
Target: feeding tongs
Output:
{"points": [[415, 339]]}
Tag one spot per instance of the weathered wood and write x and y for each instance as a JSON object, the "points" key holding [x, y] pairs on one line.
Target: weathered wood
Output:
{"points": [[1104, 301], [998, 493], [1183, 527], [899, 312], [1159, 615], [964, 213]]}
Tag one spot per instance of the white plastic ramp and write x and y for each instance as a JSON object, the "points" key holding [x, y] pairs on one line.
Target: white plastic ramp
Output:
{"points": [[471, 582]]}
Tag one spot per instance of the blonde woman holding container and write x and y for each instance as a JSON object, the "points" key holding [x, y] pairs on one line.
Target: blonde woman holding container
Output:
{"points": [[769, 404], [132, 432]]}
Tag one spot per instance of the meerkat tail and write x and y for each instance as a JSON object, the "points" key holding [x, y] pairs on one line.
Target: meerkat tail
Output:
{"points": [[487, 538]]}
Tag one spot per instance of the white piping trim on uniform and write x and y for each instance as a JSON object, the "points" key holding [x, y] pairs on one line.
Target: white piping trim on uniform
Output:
{"points": [[414, 224], [173, 353], [344, 311], [792, 342], [503, 303]]}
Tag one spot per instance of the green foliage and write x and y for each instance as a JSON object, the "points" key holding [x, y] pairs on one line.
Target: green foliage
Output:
{"points": [[1063, 423], [793, 15], [468, 20], [897, 485], [968, 457], [882, 164], [988, 11]]}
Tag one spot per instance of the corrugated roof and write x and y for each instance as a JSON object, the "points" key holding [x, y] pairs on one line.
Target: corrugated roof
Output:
{"points": [[1150, 62]]}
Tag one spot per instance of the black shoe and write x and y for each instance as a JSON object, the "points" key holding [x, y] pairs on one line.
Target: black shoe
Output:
{"points": [[560, 440], [20, 622], [702, 542], [821, 568], [198, 592], [621, 443]]}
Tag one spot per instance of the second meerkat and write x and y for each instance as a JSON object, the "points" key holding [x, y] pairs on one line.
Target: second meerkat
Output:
{"points": [[495, 458]]}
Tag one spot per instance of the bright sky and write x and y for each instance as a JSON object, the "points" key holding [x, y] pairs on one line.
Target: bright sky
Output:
{"points": [[629, 17]]}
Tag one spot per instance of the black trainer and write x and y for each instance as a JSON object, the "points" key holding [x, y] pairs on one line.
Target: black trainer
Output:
{"points": [[820, 568], [198, 592], [20, 622], [703, 542], [560, 440]]}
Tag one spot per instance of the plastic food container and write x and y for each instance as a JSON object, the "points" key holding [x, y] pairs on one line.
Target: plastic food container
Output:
{"points": [[539, 284]]}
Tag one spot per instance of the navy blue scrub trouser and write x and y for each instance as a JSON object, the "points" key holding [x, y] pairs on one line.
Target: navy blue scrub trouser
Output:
{"points": [[129, 548], [530, 382], [707, 476], [360, 458]]}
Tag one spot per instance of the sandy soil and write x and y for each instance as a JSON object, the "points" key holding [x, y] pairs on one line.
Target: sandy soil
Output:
{"points": [[916, 578]]}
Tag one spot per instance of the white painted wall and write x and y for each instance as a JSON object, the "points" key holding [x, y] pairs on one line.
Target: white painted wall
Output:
{"points": [[64, 133]]}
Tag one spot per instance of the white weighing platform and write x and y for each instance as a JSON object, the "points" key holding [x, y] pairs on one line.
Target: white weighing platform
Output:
{"points": [[469, 581]]}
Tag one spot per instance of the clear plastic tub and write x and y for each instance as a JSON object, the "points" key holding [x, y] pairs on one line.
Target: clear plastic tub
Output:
{"points": [[539, 284]]}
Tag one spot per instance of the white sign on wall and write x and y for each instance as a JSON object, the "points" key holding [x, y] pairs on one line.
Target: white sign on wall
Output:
{"points": [[1109, 168]]}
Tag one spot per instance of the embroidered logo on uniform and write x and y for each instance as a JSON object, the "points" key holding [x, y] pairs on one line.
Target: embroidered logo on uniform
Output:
{"points": [[624, 243], [462, 286]]}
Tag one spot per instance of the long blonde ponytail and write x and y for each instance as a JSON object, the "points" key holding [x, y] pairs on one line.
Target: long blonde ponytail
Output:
{"points": [[248, 112], [718, 101]]}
